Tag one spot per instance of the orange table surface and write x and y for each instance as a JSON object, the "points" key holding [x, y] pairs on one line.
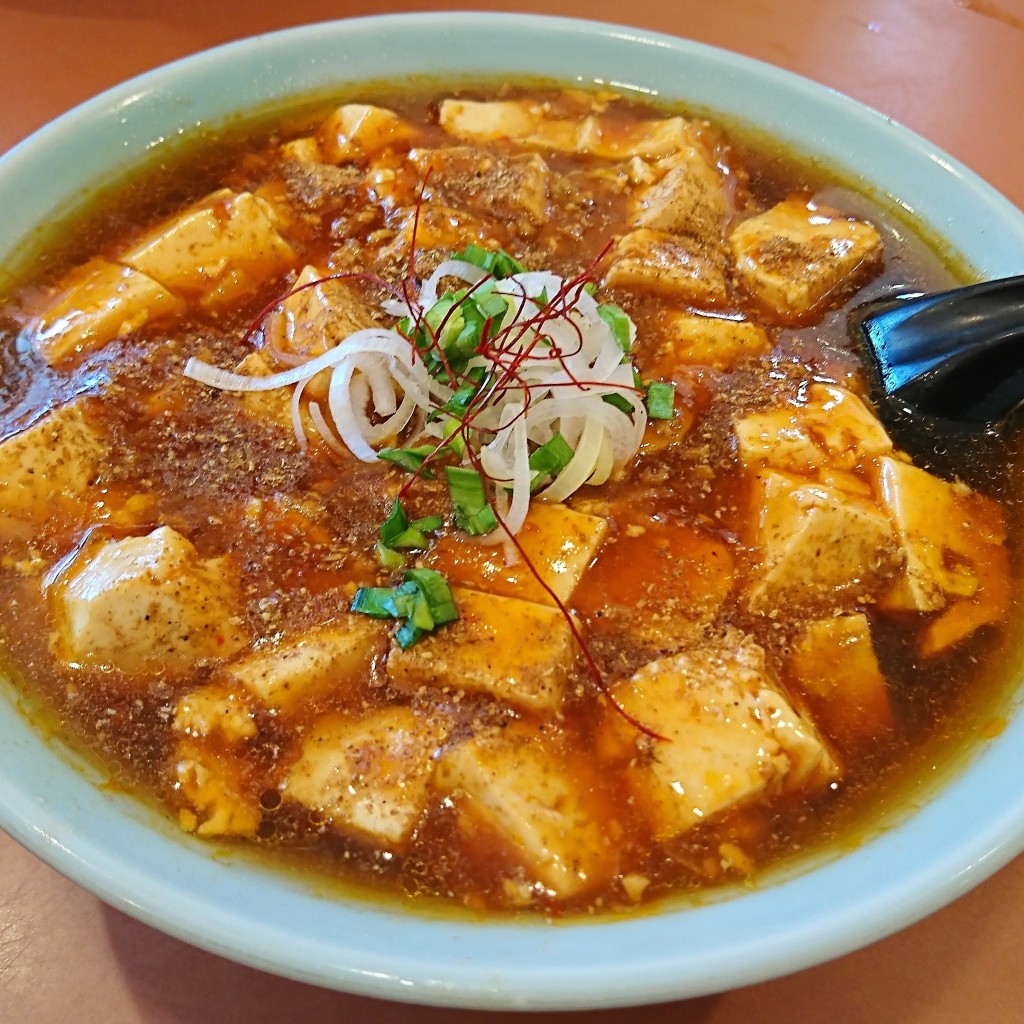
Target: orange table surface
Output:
{"points": [[952, 70]]}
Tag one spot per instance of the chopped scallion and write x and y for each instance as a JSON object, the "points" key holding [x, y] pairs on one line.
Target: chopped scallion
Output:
{"points": [[619, 324], [466, 392], [423, 600], [436, 592], [407, 634], [660, 400], [472, 512], [409, 459], [428, 524], [374, 601], [395, 525], [499, 264], [397, 532], [549, 460], [619, 402], [388, 557], [451, 430]]}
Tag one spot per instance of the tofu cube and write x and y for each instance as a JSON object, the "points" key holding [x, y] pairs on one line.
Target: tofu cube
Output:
{"points": [[510, 188], [833, 430], [800, 257], [269, 407], [443, 227], [211, 788], [358, 130], [517, 651], [989, 604], [818, 545], [97, 303], [943, 543], [731, 738], [688, 199], [55, 459], [655, 261], [719, 342], [532, 125], [558, 542], [370, 776], [778, 438], [304, 150], [315, 318], [844, 427], [312, 665], [147, 604], [512, 784], [521, 121], [215, 711], [834, 667], [613, 139], [213, 775], [218, 251]]}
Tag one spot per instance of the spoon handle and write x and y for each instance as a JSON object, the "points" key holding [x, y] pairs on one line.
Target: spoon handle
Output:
{"points": [[958, 355]]}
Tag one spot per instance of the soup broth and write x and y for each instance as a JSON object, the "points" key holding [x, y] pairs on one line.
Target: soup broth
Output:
{"points": [[477, 495]]}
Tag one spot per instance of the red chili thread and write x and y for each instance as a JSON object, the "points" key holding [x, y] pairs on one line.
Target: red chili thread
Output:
{"points": [[494, 348], [592, 665]]}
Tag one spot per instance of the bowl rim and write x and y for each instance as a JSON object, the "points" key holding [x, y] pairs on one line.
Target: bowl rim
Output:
{"points": [[131, 857]]}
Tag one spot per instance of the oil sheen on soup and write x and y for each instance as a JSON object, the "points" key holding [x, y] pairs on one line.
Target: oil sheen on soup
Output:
{"points": [[476, 495]]}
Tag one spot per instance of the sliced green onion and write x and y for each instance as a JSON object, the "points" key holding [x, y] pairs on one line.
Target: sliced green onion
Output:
{"points": [[437, 593], [620, 402], [388, 557], [394, 526], [465, 392], [660, 400], [428, 524], [402, 603], [451, 432], [409, 459], [619, 324], [423, 600], [472, 512], [411, 540], [492, 306], [441, 313], [414, 536], [499, 264], [374, 601], [407, 634], [397, 532], [549, 460], [421, 617]]}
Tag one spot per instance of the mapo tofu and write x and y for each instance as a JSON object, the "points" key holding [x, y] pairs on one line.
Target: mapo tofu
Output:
{"points": [[476, 496]]}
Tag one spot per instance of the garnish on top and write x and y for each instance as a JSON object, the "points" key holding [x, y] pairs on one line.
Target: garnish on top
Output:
{"points": [[518, 382], [519, 375]]}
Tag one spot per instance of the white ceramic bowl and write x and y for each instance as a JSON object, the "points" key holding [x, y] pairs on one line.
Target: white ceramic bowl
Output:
{"points": [[138, 862]]}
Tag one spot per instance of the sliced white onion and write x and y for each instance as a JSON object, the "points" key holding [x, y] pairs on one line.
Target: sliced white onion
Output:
{"points": [[566, 361], [580, 466], [604, 465], [325, 431], [521, 478], [296, 415], [342, 409], [468, 272]]}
